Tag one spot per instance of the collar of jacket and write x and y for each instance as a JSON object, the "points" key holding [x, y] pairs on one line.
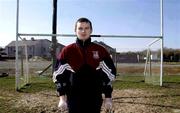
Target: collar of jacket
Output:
{"points": [[82, 43]]}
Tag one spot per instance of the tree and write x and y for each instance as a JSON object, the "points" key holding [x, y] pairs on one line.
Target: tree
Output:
{"points": [[171, 55]]}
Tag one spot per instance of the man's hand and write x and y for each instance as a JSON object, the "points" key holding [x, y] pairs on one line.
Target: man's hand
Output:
{"points": [[108, 104], [62, 103]]}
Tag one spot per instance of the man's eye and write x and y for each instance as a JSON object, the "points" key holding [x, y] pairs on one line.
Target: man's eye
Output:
{"points": [[87, 28], [80, 28]]}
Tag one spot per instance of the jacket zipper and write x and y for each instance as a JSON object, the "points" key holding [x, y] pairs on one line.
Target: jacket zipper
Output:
{"points": [[83, 43], [84, 52]]}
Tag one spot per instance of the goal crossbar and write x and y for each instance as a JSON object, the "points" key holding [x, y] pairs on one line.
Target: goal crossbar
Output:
{"points": [[107, 36]]}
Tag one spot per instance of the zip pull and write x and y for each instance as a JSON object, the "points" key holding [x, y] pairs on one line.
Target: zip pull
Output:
{"points": [[83, 42]]}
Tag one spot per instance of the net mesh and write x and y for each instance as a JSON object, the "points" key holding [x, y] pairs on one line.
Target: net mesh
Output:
{"points": [[153, 64], [23, 65]]}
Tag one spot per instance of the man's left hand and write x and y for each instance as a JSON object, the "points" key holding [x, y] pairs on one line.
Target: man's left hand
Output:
{"points": [[108, 103]]}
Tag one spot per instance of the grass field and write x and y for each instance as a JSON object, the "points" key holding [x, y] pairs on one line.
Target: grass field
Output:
{"points": [[122, 68], [130, 95]]}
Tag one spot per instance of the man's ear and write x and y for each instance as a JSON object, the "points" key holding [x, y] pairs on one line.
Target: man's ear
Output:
{"points": [[91, 31], [75, 30]]}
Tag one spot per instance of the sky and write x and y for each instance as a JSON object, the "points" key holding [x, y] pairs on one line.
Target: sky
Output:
{"points": [[109, 17]]}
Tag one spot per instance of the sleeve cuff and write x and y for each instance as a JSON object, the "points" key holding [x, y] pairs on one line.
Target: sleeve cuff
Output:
{"points": [[60, 89], [108, 95], [61, 93], [107, 90]]}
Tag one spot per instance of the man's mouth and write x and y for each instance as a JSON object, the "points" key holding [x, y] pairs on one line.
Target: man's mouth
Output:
{"points": [[83, 35]]}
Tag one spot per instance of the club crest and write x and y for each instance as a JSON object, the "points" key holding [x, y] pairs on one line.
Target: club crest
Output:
{"points": [[95, 54]]}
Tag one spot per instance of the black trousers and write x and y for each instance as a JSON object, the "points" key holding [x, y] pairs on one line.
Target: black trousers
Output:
{"points": [[85, 104]]}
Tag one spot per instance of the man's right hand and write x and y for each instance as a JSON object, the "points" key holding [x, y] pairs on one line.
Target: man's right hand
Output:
{"points": [[108, 104], [62, 103]]}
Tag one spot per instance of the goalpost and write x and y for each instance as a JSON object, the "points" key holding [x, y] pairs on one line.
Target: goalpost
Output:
{"points": [[152, 77], [159, 38]]}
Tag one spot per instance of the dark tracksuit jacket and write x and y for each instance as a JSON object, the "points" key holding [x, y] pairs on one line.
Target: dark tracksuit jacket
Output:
{"points": [[84, 71]]}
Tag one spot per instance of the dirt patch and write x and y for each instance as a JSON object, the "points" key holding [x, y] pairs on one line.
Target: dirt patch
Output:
{"points": [[135, 101], [41, 102], [125, 101]]}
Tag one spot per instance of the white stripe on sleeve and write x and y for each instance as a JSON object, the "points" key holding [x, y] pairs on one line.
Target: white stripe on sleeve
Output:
{"points": [[106, 70], [60, 70]]}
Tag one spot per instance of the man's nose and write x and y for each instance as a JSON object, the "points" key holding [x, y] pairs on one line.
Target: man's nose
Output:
{"points": [[83, 30]]}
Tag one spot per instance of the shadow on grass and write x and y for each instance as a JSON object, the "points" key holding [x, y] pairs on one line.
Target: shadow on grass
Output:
{"points": [[155, 96], [130, 81], [142, 84], [126, 84], [36, 87], [151, 104], [117, 100], [171, 85], [172, 82]]}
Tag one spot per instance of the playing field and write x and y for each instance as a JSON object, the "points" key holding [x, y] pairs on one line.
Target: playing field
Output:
{"points": [[130, 95]]}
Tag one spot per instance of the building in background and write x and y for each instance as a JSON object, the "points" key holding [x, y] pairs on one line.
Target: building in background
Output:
{"points": [[112, 51], [35, 47]]}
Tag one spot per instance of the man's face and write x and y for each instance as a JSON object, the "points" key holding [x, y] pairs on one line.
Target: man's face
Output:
{"points": [[83, 30]]}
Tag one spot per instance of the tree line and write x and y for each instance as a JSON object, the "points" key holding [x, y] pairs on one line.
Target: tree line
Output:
{"points": [[171, 55]]}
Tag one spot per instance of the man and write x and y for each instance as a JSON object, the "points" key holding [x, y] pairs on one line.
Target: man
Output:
{"points": [[83, 72]]}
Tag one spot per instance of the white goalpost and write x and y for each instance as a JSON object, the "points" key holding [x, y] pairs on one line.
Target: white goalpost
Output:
{"points": [[148, 59]]}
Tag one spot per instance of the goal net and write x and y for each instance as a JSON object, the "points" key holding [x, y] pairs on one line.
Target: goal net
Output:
{"points": [[22, 66], [152, 70]]}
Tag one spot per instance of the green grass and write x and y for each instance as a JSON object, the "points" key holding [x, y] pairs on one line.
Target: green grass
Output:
{"points": [[172, 78], [45, 83], [7, 83], [132, 82], [39, 84], [137, 82]]}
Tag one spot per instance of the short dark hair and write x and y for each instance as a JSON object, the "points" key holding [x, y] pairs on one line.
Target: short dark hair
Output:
{"points": [[84, 20]]}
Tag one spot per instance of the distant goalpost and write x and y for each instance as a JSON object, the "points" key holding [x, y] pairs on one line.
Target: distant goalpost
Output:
{"points": [[147, 73]]}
